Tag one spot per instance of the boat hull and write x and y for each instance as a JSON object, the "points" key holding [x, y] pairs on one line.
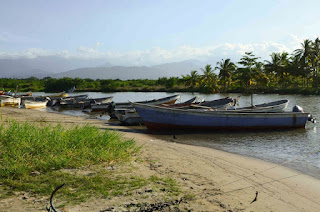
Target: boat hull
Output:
{"points": [[9, 101], [33, 104], [165, 118]]}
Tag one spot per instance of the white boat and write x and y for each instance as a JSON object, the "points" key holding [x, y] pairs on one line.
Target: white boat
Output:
{"points": [[271, 107], [9, 101], [28, 104]]}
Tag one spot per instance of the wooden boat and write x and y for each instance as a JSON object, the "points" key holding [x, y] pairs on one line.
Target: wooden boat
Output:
{"points": [[131, 117], [79, 97], [99, 107], [183, 104], [6, 93], [69, 102], [127, 105], [29, 104], [62, 94], [25, 94], [166, 100], [276, 106], [128, 117], [6, 100], [158, 118], [222, 103], [102, 100]]}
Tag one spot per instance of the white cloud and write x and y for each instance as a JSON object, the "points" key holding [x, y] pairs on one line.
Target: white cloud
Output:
{"points": [[158, 55]]}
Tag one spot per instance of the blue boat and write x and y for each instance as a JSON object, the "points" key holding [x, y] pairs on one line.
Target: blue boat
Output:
{"points": [[156, 118]]}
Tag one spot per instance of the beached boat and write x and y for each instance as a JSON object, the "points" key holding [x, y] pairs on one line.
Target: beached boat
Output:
{"points": [[69, 102], [223, 103], [275, 107], [22, 95], [156, 117], [131, 117], [62, 94], [166, 100], [128, 117], [127, 105], [6, 100], [102, 100], [99, 107], [29, 104]]}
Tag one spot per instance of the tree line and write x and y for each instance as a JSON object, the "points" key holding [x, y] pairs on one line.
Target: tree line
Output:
{"points": [[296, 72], [284, 71]]}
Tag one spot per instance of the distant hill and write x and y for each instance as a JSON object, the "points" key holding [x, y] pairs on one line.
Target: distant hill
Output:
{"points": [[44, 66], [134, 72], [58, 67]]}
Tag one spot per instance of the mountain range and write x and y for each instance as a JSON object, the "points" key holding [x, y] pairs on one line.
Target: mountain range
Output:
{"points": [[58, 67]]}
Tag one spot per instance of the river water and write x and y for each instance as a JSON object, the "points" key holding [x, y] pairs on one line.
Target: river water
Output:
{"points": [[298, 149]]}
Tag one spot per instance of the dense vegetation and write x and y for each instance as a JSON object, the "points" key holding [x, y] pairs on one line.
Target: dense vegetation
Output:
{"points": [[283, 73]]}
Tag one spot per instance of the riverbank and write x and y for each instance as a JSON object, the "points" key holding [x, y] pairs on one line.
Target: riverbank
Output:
{"points": [[172, 84], [215, 180]]}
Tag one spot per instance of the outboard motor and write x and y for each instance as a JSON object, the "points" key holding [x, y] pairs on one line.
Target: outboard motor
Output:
{"points": [[297, 108], [312, 119]]}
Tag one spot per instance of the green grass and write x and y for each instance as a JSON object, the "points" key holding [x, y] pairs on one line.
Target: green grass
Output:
{"points": [[31, 156], [37, 159], [27, 148]]}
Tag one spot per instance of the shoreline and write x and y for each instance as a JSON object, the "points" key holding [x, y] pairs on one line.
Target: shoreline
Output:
{"points": [[220, 180], [296, 168]]}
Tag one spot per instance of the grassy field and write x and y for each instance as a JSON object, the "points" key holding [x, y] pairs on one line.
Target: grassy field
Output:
{"points": [[37, 159]]}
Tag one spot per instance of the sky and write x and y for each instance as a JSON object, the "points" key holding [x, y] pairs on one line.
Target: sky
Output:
{"points": [[149, 32]]}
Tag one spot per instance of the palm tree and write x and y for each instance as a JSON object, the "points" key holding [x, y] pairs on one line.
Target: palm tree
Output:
{"points": [[191, 79], [273, 67], [226, 68], [278, 66], [209, 79], [304, 54], [295, 70], [306, 49], [260, 75], [315, 60]]}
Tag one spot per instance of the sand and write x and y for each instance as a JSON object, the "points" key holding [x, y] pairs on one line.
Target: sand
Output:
{"points": [[220, 181]]}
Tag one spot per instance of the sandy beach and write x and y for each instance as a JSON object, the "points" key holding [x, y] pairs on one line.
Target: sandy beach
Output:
{"points": [[220, 181]]}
